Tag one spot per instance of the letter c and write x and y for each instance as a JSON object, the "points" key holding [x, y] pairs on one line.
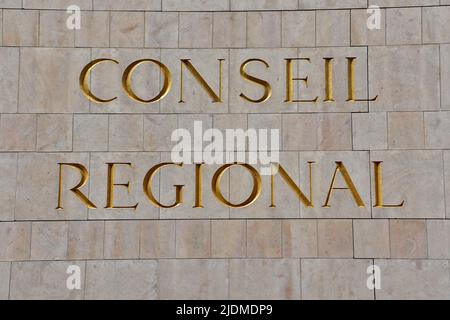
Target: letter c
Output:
{"points": [[84, 79]]}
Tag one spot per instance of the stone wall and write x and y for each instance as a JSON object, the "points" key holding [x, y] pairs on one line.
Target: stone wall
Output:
{"points": [[287, 252]]}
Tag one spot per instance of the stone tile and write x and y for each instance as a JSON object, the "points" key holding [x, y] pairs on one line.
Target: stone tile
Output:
{"points": [[331, 4], [11, 3], [127, 29], [194, 5], [54, 132], [298, 29], [8, 174], [37, 187], [228, 238], [263, 5], [53, 31], [193, 239], [415, 177], [161, 29], [5, 268], [9, 68], [85, 240], [334, 131], [300, 132], [20, 28], [447, 181], [208, 279], [406, 130], [224, 122], [263, 23], [44, 280], [371, 238], [18, 132], [40, 67], [299, 238], [90, 132], [335, 279], [264, 238], [15, 241], [158, 131], [445, 75], [122, 239], [333, 28], [263, 279], [435, 26], [139, 5], [335, 238], [265, 122], [403, 66], [126, 140], [121, 280], [60, 4], [195, 97], [106, 81], [361, 35], [157, 239], [403, 3], [195, 30], [431, 279], [277, 66], [341, 203], [315, 88], [49, 240], [229, 29], [94, 30], [404, 26], [438, 236], [408, 239], [286, 202], [369, 131], [437, 130]]}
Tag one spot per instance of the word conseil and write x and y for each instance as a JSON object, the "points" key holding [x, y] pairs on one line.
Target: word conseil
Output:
{"points": [[216, 94]]}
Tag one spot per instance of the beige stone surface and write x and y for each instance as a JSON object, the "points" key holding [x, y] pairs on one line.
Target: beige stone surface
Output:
{"points": [[50, 4], [264, 239], [447, 181], [331, 4], [8, 184], [195, 30], [403, 3], [406, 130], [11, 3], [408, 239], [15, 241], [298, 29], [121, 280], [129, 139], [299, 238], [434, 24], [158, 132], [34, 280], [445, 75], [5, 268], [415, 177], [157, 239], [20, 28], [335, 238], [49, 240], [129, 5], [437, 130], [194, 5], [333, 28], [335, 279], [161, 29], [85, 239], [9, 68], [18, 132], [228, 238], [431, 279], [94, 31], [370, 131], [193, 239], [300, 132], [265, 279], [263, 5], [54, 132], [229, 29], [403, 26], [127, 29], [334, 131], [53, 31], [438, 238], [43, 88], [90, 132], [121, 239], [361, 34], [267, 24], [371, 238], [393, 70], [174, 284]]}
